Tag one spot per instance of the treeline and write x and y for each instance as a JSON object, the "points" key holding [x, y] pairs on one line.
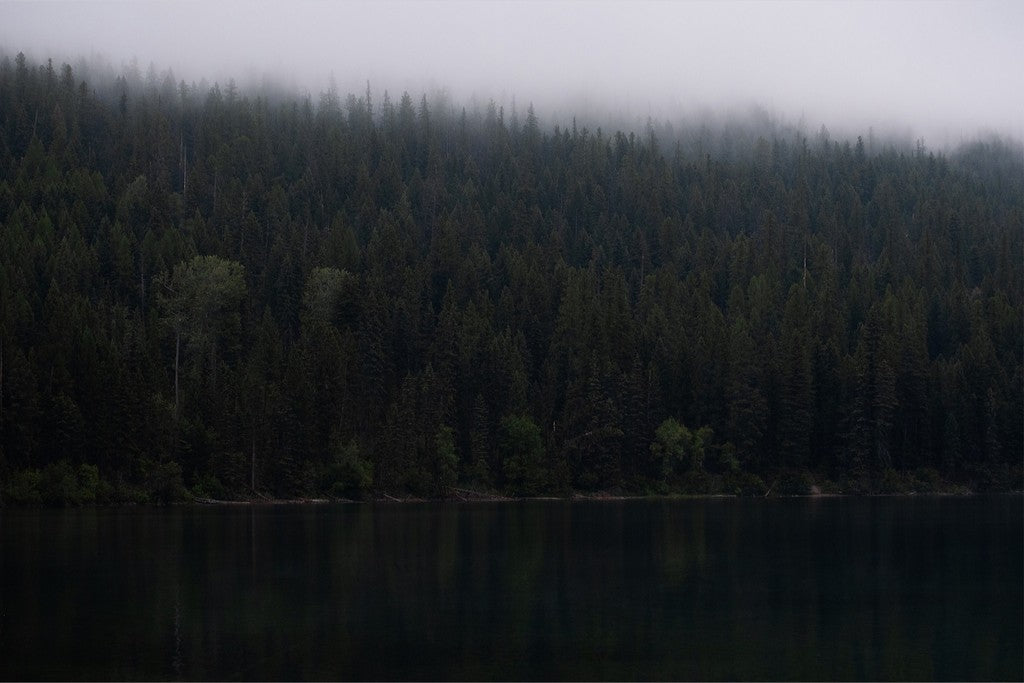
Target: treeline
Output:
{"points": [[223, 294]]}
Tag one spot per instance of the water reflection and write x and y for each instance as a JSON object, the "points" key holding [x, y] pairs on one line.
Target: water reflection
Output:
{"points": [[704, 589]]}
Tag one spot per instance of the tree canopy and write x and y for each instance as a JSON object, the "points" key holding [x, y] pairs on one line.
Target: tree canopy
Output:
{"points": [[216, 292]]}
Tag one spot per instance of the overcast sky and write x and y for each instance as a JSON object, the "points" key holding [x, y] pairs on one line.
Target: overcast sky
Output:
{"points": [[942, 69]]}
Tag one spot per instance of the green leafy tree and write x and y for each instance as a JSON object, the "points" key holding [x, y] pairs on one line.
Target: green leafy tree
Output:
{"points": [[201, 304], [521, 450], [349, 475], [446, 469], [678, 449]]}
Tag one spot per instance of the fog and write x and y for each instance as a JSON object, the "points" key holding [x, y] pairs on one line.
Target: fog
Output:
{"points": [[941, 71]]}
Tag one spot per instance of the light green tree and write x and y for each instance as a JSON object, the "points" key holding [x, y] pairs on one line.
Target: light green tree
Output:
{"points": [[678, 449], [447, 464], [522, 453], [200, 303]]}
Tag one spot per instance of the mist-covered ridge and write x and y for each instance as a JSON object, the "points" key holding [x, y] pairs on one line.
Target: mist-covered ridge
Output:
{"points": [[727, 131], [944, 72]]}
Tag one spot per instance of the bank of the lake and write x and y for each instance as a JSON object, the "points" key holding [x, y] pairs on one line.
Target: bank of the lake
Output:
{"points": [[479, 497], [64, 485]]}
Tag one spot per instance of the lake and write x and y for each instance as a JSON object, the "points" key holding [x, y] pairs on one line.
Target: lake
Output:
{"points": [[823, 588]]}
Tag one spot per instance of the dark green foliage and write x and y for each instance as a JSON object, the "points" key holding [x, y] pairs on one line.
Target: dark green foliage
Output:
{"points": [[349, 475], [60, 484], [521, 450], [238, 294], [208, 487], [23, 488], [162, 482], [791, 482], [743, 484], [678, 451], [447, 461]]}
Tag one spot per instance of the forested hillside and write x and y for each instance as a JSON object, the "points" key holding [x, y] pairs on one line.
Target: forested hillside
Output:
{"points": [[219, 293]]}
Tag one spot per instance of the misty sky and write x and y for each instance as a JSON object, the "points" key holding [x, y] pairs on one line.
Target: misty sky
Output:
{"points": [[942, 69]]}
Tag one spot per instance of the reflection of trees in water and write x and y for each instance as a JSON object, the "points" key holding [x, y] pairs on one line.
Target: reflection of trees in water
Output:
{"points": [[838, 589]]}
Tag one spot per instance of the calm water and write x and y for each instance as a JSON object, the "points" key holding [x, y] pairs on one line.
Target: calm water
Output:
{"points": [[904, 588]]}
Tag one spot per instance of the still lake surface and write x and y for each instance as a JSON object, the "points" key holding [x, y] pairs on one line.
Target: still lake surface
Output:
{"points": [[835, 588]]}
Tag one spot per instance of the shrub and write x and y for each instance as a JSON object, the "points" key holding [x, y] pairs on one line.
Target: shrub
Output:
{"points": [[677, 450], [23, 488], [742, 483], [992, 477], [163, 482], [349, 475], [856, 485], [893, 482], [93, 489], [927, 480], [697, 482], [208, 486], [58, 485], [131, 494], [447, 465], [792, 483], [522, 452]]}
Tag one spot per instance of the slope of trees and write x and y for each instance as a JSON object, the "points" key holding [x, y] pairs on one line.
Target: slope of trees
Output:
{"points": [[226, 294]]}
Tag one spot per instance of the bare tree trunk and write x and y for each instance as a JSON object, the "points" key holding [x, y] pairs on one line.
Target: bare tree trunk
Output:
{"points": [[1, 383], [184, 168], [805, 263], [177, 355]]}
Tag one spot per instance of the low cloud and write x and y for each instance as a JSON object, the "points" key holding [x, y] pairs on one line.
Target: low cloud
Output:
{"points": [[938, 70]]}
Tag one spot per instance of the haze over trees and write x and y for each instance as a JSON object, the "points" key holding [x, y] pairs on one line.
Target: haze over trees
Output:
{"points": [[249, 293]]}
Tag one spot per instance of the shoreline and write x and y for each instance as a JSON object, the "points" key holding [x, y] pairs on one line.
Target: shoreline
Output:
{"points": [[496, 498], [468, 496], [574, 497]]}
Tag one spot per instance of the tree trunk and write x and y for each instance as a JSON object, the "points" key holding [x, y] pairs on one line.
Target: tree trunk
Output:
{"points": [[1, 384], [177, 355], [184, 168]]}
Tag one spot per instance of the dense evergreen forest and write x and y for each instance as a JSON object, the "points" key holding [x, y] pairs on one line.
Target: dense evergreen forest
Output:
{"points": [[225, 294]]}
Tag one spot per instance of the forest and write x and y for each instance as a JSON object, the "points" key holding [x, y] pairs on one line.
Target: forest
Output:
{"points": [[209, 292]]}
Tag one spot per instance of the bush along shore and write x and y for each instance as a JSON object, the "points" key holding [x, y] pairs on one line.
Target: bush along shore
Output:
{"points": [[62, 486]]}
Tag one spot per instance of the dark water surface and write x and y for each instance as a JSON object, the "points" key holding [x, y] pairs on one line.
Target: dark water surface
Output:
{"points": [[876, 588]]}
